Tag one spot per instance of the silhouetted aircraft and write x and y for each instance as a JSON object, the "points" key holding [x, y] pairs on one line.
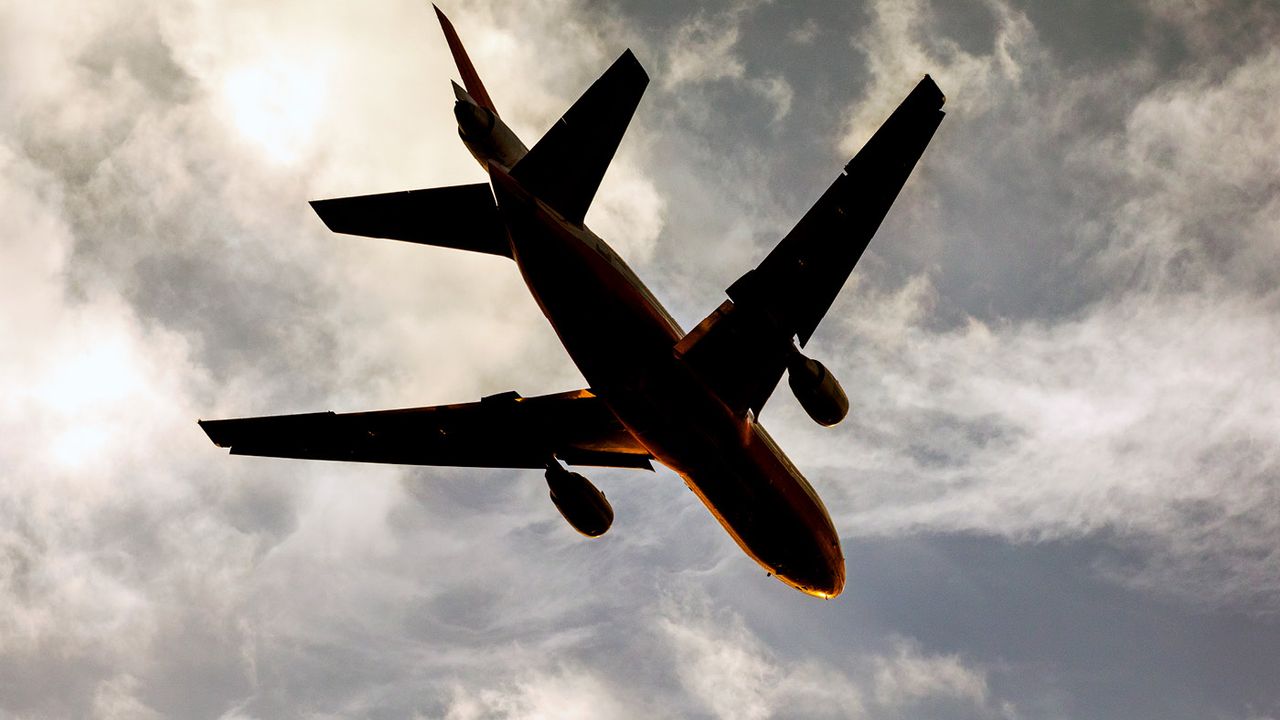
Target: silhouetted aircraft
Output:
{"points": [[690, 401]]}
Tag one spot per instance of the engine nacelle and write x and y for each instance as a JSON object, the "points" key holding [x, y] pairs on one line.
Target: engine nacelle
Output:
{"points": [[580, 502], [817, 390], [475, 123]]}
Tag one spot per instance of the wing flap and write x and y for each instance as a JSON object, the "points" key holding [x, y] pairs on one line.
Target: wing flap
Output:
{"points": [[501, 431], [566, 166], [464, 217]]}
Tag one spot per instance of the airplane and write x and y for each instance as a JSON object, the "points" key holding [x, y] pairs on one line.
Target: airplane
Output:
{"points": [[690, 401]]}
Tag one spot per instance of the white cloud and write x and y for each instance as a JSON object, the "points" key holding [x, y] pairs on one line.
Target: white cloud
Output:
{"points": [[571, 693], [1147, 418], [629, 212], [734, 675], [703, 51], [908, 677], [902, 45], [114, 700], [804, 33], [1202, 210]]}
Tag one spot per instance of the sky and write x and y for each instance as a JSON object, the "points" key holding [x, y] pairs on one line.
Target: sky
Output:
{"points": [[1057, 488]]}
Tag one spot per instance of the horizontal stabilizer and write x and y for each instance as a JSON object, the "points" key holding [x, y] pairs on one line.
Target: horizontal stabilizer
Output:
{"points": [[500, 431], [565, 168], [461, 216], [799, 280]]}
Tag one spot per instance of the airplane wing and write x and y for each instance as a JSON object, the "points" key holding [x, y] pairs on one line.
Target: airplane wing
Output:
{"points": [[565, 167], [504, 430], [798, 281], [460, 216], [742, 348]]}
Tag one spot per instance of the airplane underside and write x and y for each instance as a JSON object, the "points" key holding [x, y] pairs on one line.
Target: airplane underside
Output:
{"points": [[624, 347], [688, 400]]}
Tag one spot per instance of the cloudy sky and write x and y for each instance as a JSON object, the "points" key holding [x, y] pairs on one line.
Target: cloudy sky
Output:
{"points": [[1057, 489]]}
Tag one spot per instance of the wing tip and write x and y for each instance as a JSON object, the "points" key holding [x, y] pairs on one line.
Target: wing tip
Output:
{"points": [[331, 213], [211, 430], [633, 64], [928, 91]]}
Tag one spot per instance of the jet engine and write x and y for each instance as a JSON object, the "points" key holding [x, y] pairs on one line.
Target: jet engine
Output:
{"points": [[580, 502], [817, 390], [475, 123]]}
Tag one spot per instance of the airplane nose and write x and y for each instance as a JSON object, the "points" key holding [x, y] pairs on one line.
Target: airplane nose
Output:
{"points": [[820, 578], [826, 581], [826, 577], [833, 583]]}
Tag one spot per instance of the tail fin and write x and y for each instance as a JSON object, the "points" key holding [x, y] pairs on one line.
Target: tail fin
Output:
{"points": [[565, 168], [470, 79]]}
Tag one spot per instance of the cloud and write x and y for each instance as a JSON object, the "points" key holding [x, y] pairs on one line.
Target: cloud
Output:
{"points": [[905, 41], [629, 211], [1202, 209], [734, 675], [113, 700], [161, 265], [909, 677], [564, 693], [703, 51], [805, 33], [1131, 421]]}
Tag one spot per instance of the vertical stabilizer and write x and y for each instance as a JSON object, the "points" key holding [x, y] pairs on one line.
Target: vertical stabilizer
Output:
{"points": [[470, 79]]}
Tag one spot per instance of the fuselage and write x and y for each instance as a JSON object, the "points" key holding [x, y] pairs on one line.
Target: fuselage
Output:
{"points": [[622, 340]]}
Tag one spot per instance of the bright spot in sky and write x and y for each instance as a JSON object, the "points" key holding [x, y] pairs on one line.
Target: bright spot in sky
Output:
{"points": [[86, 395], [76, 445], [104, 373], [275, 105]]}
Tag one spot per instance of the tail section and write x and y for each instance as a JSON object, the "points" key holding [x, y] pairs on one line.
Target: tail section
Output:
{"points": [[565, 168], [470, 79]]}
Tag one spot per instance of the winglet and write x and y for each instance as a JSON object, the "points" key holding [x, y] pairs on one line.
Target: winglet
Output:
{"points": [[475, 88]]}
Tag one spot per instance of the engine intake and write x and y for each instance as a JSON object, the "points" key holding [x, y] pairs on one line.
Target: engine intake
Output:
{"points": [[817, 390], [580, 502]]}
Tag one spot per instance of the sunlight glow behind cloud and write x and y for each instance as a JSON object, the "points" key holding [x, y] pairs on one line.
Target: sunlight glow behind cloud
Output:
{"points": [[276, 104]]}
